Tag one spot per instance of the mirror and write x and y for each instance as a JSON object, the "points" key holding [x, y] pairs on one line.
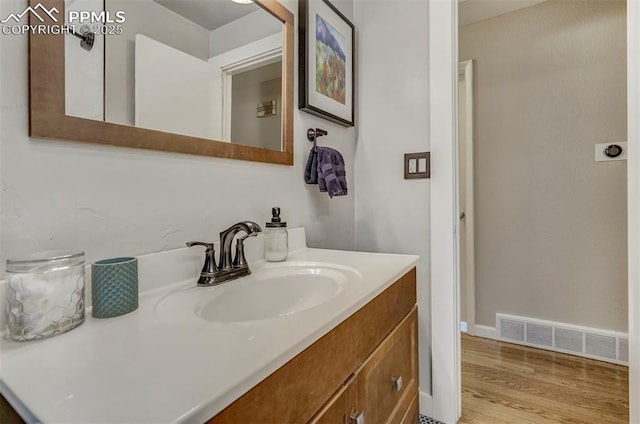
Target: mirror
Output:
{"points": [[205, 77]]}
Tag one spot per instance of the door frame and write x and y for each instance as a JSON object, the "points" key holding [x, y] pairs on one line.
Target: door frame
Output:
{"points": [[443, 58], [633, 204], [445, 281], [465, 69]]}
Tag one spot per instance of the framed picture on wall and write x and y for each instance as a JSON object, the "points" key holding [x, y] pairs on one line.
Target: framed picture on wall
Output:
{"points": [[326, 63]]}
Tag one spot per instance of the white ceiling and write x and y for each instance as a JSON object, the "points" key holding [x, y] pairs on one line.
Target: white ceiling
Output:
{"points": [[209, 14], [471, 11]]}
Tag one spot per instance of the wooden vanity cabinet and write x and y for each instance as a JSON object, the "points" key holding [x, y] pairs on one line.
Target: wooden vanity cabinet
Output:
{"points": [[388, 381], [366, 365], [342, 406], [385, 388]]}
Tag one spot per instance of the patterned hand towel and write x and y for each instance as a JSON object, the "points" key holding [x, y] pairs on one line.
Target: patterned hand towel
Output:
{"points": [[311, 169], [325, 167], [332, 177]]}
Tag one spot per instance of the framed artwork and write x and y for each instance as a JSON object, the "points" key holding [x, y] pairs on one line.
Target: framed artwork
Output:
{"points": [[326, 63]]}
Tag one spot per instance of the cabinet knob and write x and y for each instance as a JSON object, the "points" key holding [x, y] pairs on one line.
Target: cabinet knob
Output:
{"points": [[396, 383], [357, 419]]}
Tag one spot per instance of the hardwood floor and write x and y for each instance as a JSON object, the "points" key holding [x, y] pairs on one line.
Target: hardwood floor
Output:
{"points": [[504, 383]]}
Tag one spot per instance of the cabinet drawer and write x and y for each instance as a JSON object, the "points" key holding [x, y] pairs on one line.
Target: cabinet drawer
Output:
{"points": [[341, 406], [387, 382]]}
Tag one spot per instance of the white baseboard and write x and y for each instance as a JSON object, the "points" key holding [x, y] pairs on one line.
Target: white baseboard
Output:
{"points": [[426, 404], [486, 332]]}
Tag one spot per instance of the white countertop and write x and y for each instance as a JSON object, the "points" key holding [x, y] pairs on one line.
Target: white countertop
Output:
{"points": [[138, 369]]}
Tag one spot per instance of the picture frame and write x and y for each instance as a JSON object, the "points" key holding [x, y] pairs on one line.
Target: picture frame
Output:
{"points": [[326, 62]]}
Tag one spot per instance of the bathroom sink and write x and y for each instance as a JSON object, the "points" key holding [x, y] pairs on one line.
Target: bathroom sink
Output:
{"points": [[272, 291]]}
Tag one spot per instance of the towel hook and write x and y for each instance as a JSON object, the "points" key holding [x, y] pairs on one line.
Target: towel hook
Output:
{"points": [[86, 37], [313, 134]]}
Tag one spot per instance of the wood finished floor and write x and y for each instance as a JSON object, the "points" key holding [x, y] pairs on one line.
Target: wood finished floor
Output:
{"points": [[504, 383]]}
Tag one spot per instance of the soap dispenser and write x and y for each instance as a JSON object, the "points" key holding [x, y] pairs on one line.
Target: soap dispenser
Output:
{"points": [[276, 238]]}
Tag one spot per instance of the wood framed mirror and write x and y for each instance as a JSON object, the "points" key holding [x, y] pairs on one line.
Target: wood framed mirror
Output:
{"points": [[50, 116]]}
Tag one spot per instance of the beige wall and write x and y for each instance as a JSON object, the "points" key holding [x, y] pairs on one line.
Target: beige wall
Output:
{"points": [[550, 221], [248, 89]]}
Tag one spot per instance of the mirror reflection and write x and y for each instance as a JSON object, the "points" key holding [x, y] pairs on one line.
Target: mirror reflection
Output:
{"points": [[205, 68]]}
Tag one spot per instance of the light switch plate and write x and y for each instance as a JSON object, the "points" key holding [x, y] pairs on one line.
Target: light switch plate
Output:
{"points": [[417, 165]]}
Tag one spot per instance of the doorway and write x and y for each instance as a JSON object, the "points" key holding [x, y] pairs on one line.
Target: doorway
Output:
{"points": [[551, 228], [443, 65]]}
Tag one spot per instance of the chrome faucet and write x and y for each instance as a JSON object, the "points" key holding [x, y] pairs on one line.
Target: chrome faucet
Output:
{"points": [[227, 269]]}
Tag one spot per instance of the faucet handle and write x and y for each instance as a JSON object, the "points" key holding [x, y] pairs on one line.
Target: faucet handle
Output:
{"points": [[240, 261], [209, 246], [209, 269]]}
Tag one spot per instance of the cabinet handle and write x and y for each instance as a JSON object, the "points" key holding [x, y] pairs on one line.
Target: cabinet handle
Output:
{"points": [[357, 419], [396, 383]]}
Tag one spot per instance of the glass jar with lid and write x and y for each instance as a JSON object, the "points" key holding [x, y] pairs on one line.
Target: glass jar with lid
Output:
{"points": [[45, 294], [276, 238]]}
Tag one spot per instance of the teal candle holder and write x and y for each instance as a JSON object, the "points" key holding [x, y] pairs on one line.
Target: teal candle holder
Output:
{"points": [[114, 288]]}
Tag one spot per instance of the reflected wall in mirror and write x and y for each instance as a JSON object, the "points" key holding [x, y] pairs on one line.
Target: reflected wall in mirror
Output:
{"points": [[206, 77], [180, 66]]}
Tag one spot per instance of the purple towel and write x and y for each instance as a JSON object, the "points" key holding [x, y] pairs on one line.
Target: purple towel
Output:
{"points": [[311, 170], [325, 167]]}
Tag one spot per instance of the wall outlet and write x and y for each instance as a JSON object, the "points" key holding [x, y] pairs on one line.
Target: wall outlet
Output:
{"points": [[416, 165], [413, 166]]}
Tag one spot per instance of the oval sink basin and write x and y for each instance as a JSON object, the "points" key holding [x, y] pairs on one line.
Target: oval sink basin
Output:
{"points": [[271, 291]]}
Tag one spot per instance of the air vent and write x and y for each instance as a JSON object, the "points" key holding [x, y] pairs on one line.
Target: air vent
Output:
{"points": [[512, 330], [592, 343], [540, 334], [597, 345], [571, 340], [623, 349]]}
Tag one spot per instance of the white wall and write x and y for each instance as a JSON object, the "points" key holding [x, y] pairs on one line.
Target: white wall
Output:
{"points": [[167, 101], [392, 214], [112, 201], [249, 28], [84, 70], [153, 20], [551, 234]]}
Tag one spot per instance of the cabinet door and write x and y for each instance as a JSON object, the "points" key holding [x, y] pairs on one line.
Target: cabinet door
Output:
{"points": [[340, 407], [411, 417], [388, 381]]}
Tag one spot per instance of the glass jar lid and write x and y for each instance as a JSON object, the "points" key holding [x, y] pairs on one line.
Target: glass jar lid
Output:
{"points": [[45, 261]]}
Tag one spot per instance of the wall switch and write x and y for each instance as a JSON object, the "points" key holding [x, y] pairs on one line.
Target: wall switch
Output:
{"points": [[422, 165], [416, 165]]}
